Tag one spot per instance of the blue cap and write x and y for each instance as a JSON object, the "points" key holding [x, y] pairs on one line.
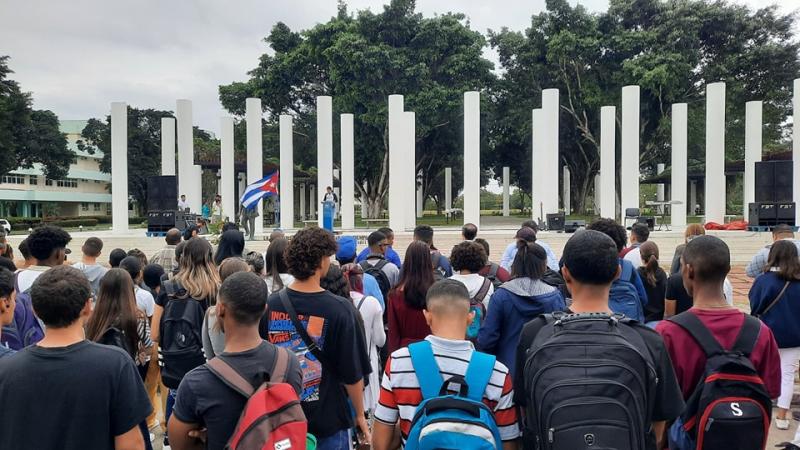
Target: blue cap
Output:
{"points": [[347, 248]]}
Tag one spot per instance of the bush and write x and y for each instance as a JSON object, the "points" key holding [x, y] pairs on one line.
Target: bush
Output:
{"points": [[73, 223], [134, 220]]}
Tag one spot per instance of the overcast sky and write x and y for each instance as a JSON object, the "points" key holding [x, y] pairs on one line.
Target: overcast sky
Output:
{"points": [[78, 56]]}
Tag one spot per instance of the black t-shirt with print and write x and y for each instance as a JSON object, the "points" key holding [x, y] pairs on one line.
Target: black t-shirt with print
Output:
{"points": [[331, 321], [76, 397], [676, 291]]}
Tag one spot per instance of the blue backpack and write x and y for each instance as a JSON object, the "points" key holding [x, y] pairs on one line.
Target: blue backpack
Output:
{"points": [[455, 421], [25, 330], [624, 298]]}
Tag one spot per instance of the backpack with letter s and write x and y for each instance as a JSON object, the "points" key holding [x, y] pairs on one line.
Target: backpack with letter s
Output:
{"points": [[730, 407], [180, 346], [377, 272], [624, 298], [460, 420], [588, 378], [25, 329], [477, 307]]}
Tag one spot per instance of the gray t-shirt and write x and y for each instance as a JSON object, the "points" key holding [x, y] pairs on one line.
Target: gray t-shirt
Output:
{"points": [[94, 272]]}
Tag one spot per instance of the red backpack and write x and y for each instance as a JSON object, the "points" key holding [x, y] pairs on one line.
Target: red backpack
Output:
{"points": [[272, 418]]}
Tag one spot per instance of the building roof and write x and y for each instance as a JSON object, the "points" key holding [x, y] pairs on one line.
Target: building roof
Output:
{"points": [[72, 126]]}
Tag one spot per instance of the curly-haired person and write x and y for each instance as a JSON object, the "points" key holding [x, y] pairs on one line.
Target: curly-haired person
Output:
{"points": [[338, 354], [467, 259]]}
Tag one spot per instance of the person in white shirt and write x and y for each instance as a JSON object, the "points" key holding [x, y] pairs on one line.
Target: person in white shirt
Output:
{"points": [[467, 259], [216, 210], [276, 270], [182, 203], [639, 235], [144, 300], [48, 245], [511, 250]]}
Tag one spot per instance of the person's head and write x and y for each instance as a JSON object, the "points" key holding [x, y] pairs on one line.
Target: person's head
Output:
{"points": [[649, 253], [329, 189], [417, 274], [116, 256], [231, 266], [424, 233], [190, 231], [530, 261], [468, 256], [138, 254], [7, 297], [151, 276], [530, 224], [217, 198], [485, 244], [354, 275], [346, 251], [276, 233], [133, 266], [335, 282], [377, 243], [469, 231], [179, 251], [639, 233], [782, 231], [242, 301], [309, 253], [183, 197], [705, 263], [25, 251], [5, 248], [197, 272], [8, 264], [611, 229], [227, 226], [48, 244], [62, 297], [590, 265], [92, 247], [447, 309], [526, 234], [115, 307], [256, 262], [693, 230], [783, 257], [173, 236], [231, 243], [389, 233]]}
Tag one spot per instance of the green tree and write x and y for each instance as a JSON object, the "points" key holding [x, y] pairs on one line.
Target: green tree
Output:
{"points": [[360, 60], [29, 136]]}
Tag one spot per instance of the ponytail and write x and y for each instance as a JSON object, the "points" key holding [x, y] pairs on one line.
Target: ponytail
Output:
{"points": [[649, 254]]}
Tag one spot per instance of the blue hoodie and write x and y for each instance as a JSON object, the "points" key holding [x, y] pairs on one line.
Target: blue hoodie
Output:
{"points": [[783, 318], [513, 305]]}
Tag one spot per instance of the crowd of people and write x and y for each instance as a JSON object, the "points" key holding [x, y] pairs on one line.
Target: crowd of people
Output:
{"points": [[599, 347]]}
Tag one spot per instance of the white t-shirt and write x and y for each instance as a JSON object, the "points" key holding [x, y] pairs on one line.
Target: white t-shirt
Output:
{"points": [[144, 301], [285, 278], [372, 316], [635, 257], [474, 282], [25, 278]]}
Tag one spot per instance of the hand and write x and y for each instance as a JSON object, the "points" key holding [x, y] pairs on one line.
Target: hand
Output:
{"points": [[363, 426], [200, 434]]}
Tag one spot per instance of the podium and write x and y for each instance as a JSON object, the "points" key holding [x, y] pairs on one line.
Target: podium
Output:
{"points": [[328, 213]]}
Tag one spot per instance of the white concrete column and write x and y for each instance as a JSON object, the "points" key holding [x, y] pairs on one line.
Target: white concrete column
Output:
{"points": [[567, 188], [303, 196], [660, 167], [680, 163], [752, 152], [287, 172], [448, 188], [168, 146], [227, 178], [549, 132], [796, 149], [119, 167], [420, 200], [324, 146], [538, 174], [629, 163], [397, 219], [506, 192], [472, 157], [608, 168], [348, 197], [255, 155], [410, 167], [693, 197], [715, 153], [597, 193], [312, 201], [188, 181]]}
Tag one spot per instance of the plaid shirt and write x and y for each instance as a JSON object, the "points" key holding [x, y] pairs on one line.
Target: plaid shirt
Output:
{"points": [[166, 259], [759, 262]]}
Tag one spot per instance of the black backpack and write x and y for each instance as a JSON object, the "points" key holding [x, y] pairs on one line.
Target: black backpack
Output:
{"points": [[730, 407], [438, 272], [377, 272], [588, 378], [492, 275], [180, 343], [116, 337]]}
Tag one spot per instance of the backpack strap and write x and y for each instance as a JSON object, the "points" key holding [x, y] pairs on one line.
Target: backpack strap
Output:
{"points": [[230, 377], [627, 271], [311, 344], [361, 302], [695, 327], [479, 372], [281, 366], [481, 294], [426, 369], [493, 268], [382, 262], [748, 336]]}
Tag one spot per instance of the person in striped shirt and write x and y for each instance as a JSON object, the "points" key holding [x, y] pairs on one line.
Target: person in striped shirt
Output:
{"points": [[447, 313]]}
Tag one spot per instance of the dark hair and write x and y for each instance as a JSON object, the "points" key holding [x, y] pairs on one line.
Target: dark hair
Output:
{"points": [[485, 244], [530, 224], [228, 226], [335, 282], [6, 282], [115, 307], [256, 262], [189, 230], [783, 256], [782, 229], [641, 231], [231, 243], [138, 254], [417, 274], [591, 257], [116, 256], [92, 247], [132, 265], [649, 254], [469, 231], [173, 236], [59, 295], [449, 291], [179, 251], [611, 229], [275, 263], [530, 261], [469, 256], [245, 296], [376, 237], [710, 258], [231, 266], [45, 240], [424, 233], [386, 231], [151, 275], [8, 263], [23, 248], [306, 249], [355, 277]]}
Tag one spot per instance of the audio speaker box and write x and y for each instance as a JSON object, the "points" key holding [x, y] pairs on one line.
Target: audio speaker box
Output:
{"points": [[650, 221], [555, 222], [574, 225], [785, 213], [162, 193]]}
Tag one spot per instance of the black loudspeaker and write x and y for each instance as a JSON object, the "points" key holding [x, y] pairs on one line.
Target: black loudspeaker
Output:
{"points": [[773, 181], [555, 222], [162, 193], [763, 214], [572, 226], [785, 213], [631, 212], [783, 181], [650, 221]]}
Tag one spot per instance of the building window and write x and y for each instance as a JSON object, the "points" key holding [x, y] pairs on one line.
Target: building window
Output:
{"points": [[33, 180], [108, 208], [84, 207], [96, 207], [68, 183], [98, 181], [48, 182], [13, 179]]}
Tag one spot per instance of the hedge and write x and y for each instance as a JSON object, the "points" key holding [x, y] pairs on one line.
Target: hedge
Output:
{"points": [[23, 223]]}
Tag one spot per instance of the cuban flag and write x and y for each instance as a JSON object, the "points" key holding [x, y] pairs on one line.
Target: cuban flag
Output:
{"points": [[264, 187]]}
